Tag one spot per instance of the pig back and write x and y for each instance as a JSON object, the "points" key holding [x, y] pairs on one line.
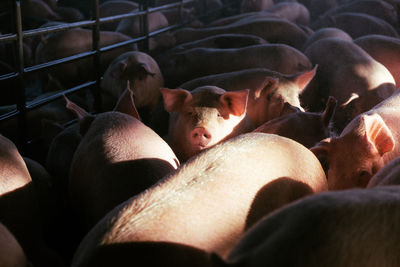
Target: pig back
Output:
{"points": [[208, 201], [117, 158]]}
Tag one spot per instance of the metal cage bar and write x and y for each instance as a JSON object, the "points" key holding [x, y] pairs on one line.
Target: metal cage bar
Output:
{"points": [[20, 70]]}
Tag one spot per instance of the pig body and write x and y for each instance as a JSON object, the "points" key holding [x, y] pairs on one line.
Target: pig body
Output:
{"points": [[75, 41], [199, 62], [203, 117], [270, 92], [132, 27], [255, 5], [327, 32], [145, 80], [349, 74], [112, 8], [379, 9], [207, 202], [328, 229], [117, 158], [292, 11], [11, 255], [357, 24], [19, 207], [274, 30], [366, 144], [221, 41], [307, 128], [385, 50]]}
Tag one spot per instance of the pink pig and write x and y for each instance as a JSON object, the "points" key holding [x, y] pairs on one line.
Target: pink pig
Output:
{"points": [[203, 117], [366, 144]]}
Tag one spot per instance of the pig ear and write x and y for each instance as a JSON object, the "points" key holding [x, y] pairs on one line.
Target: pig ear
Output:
{"points": [[268, 84], [174, 99], [235, 102], [119, 69], [322, 149], [79, 112], [143, 70], [304, 78], [126, 103], [377, 133], [329, 111]]}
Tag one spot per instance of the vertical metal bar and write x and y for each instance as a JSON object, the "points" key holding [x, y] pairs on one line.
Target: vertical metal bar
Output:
{"points": [[97, 57], [145, 24], [21, 99]]}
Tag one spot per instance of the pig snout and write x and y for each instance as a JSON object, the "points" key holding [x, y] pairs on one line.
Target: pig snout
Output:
{"points": [[200, 137]]}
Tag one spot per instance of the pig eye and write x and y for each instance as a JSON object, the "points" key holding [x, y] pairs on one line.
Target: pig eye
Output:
{"points": [[219, 115], [189, 113]]}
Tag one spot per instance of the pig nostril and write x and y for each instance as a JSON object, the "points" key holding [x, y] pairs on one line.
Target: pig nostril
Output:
{"points": [[206, 135]]}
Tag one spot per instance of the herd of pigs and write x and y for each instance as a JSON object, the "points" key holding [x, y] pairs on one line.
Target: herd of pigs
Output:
{"points": [[265, 136]]}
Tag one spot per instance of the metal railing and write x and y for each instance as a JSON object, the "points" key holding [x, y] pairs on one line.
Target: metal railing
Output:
{"points": [[20, 71]]}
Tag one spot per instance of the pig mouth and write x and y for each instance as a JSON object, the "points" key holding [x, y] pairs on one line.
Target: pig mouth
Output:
{"points": [[199, 146]]}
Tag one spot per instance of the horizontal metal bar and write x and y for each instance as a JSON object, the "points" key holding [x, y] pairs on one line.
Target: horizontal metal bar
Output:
{"points": [[122, 16], [59, 61], [9, 115], [159, 31], [8, 76], [49, 99], [120, 44], [57, 28], [8, 37]]}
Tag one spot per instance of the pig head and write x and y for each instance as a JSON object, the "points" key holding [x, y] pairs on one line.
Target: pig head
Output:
{"points": [[364, 147], [204, 117]]}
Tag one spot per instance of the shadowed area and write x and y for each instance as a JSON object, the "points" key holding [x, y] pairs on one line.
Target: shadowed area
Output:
{"points": [[275, 195]]}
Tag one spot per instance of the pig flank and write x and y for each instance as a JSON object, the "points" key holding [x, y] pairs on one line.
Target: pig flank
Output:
{"points": [[207, 201], [11, 253], [204, 117], [118, 157], [347, 228]]}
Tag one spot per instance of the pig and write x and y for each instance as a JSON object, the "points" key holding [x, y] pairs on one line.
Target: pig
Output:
{"points": [[132, 27], [112, 8], [376, 8], [385, 50], [145, 79], [327, 32], [117, 158], [69, 14], [307, 128], [204, 117], [11, 253], [174, 16], [357, 227], [19, 207], [366, 144], [317, 7], [229, 40], [349, 74], [356, 24], [271, 95], [234, 18], [206, 204], [292, 11], [274, 30], [388, 175], [64, 44], [255, 5], [190, 64], [38, 9]]}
